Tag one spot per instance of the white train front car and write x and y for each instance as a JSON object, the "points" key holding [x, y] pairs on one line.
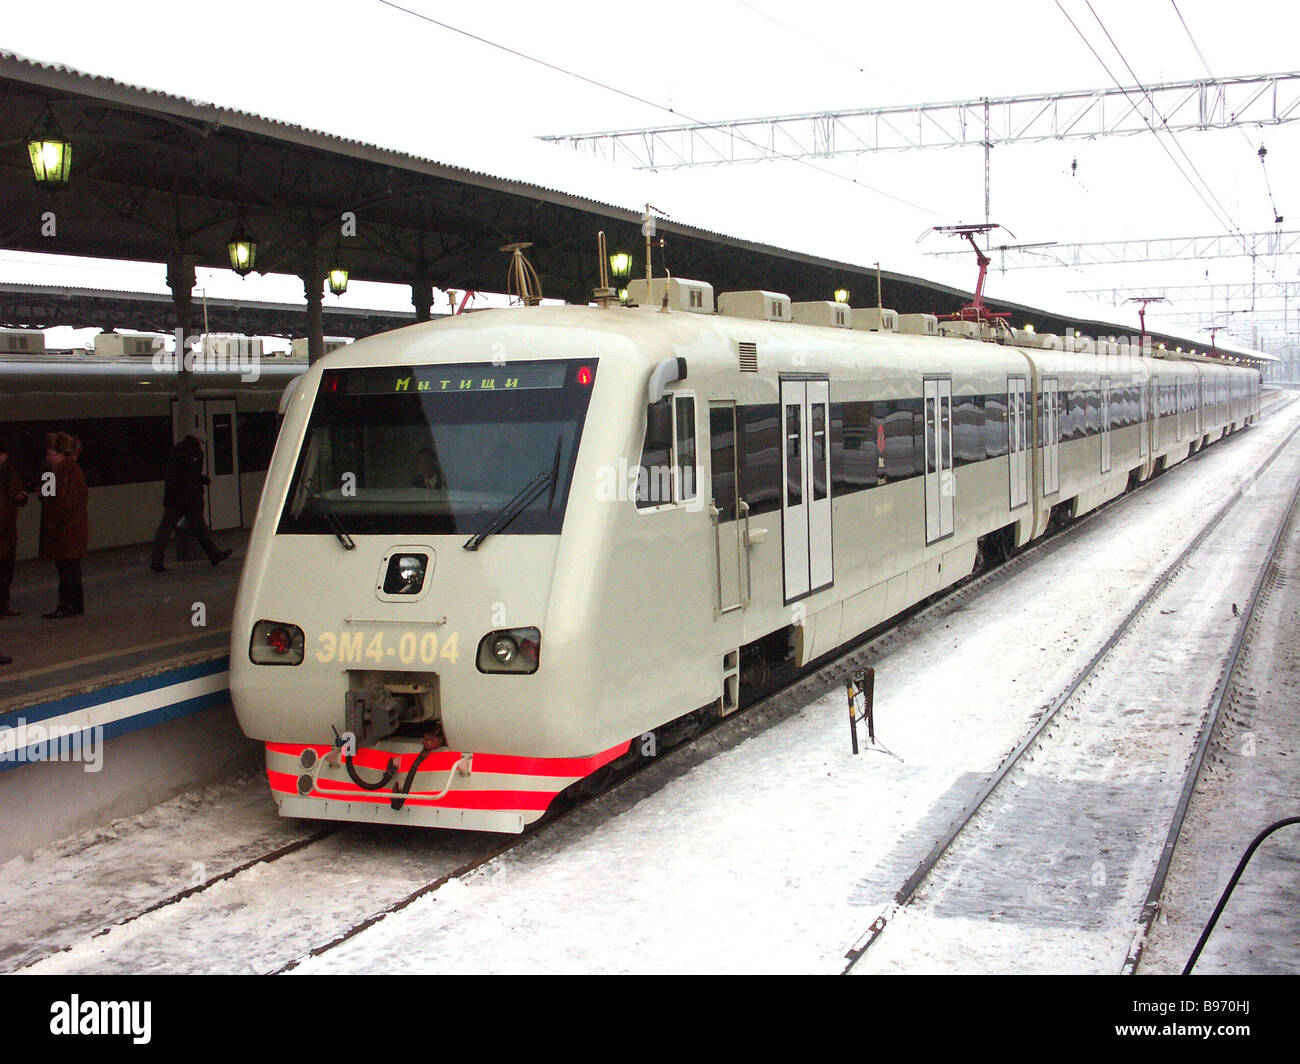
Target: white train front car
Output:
{"points": [[406, 576]]}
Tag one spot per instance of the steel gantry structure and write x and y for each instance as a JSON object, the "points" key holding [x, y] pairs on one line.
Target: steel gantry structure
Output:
{"points": [[1224, 292], [1158, 249], [1204, 103]]}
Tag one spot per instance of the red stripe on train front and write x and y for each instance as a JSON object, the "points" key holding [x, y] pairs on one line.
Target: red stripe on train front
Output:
{"points": [[561, 771], [286, 783], [501, 764]]}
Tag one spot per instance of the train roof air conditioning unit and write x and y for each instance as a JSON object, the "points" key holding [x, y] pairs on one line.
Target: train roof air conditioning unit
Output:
{"points": [[757, 305], [822, 312], [1025, 338], [875, 319], [22, 342], [918, 324], [233, 346], [968, 330], [128, 345], [332, 343], [694, 297]]}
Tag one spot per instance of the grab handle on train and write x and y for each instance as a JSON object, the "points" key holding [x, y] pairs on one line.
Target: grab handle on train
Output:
{"points": [[462, 767]]}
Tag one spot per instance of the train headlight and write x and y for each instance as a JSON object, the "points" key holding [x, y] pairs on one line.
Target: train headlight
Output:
{"points": [[516, 650], [276, 643], [404, 574]]}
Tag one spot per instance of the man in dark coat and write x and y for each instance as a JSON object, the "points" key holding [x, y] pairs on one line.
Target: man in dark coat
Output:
{"points": [[12, 496], [183, 497]]}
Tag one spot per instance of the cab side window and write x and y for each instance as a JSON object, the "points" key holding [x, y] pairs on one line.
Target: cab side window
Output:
{"points": [[668, 456]]}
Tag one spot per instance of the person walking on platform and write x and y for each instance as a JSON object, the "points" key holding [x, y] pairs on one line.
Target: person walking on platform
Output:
{"points": [[183, 497], [65, 521], [12, 496]]}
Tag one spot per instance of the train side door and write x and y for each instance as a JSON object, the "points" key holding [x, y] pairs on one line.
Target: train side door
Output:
{"points": [[1179, 402], [1051, 437], [217, 418], [1018, 439], [1153, 405], [726, 508], [1105, 424], [940, 488], [806, 495], [223, 464], [1144, 417]]}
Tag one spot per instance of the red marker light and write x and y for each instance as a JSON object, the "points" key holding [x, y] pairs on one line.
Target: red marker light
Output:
{"points": [[279, 640], [584, 375]]}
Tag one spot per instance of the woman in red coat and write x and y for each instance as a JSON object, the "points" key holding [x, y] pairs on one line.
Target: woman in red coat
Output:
{"points": [[65, 522]]}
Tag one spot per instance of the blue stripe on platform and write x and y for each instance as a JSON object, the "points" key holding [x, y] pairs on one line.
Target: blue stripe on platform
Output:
{"points": [[51, 715], [86, 699]]}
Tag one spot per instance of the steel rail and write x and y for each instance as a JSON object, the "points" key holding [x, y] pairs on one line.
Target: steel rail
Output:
{"points": [[1151, 905], [907, 891]]}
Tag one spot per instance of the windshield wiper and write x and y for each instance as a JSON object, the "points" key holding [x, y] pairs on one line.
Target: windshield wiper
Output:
{"points": [[335, 523], [510, 510], [555, 472]]}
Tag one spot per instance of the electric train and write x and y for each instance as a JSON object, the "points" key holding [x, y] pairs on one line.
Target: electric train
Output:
{"points": [[496, 553]]}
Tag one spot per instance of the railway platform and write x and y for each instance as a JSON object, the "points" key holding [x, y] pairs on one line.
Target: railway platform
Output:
{"points": [[105, 714]]}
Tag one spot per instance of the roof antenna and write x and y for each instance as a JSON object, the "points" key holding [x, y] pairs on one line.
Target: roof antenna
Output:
{"points": [[648, 231], [605, 295], [522, 281], [668, 277]]}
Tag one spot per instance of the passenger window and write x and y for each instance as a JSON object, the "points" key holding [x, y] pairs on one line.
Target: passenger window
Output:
{"points": [[819, 450], [223, 445], [794, 455]]}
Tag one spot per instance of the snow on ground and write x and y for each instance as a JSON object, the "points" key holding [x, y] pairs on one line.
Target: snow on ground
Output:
{"points": [[73, 887], [1069, 842], [773, 854]]}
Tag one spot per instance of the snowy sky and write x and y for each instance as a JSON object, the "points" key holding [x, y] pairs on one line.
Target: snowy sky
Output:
{"points": [[363, 69]]}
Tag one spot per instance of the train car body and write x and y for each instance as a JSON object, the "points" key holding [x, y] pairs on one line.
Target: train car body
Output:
{"points": [[538, 535], [123, 411]]}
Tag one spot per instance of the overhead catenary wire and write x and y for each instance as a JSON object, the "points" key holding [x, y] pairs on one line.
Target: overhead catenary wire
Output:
{"points": [[1220, 215], [566, 72], [1231, 222], [1262, 152], [1164, 122], [788, 28]]}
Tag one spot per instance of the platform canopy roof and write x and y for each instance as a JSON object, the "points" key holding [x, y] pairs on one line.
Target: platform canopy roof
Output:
{"points": [[108, 309], [160, 178]]}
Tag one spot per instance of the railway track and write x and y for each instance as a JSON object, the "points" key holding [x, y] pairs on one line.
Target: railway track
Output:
{"points": [[956, 853], [649, 776], [1226, 688]]}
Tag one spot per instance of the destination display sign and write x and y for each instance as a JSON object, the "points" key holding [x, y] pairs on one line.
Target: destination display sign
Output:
{"points": [[447, 380]]}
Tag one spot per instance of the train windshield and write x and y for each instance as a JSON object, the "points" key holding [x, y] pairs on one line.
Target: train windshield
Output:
{"points": [[438, 449]]}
